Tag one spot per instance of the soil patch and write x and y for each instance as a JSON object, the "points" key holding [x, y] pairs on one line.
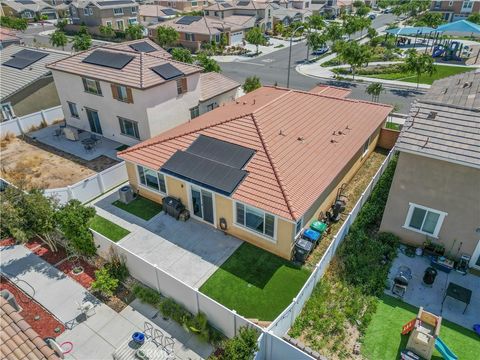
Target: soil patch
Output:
{"points": [[85, 278], [119, 300], [45, 253]]}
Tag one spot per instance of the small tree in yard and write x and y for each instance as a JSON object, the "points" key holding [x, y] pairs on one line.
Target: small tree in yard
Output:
{"points": [[59, 39], [104, 282], [241, 347], [355, 55], [316, 40], [251, 83], [167, 36], [183, 55], [374, 89], [134, 31], [81, 42], [208, 64], [73, 219], [419, 64], [316, 22], [475, 18], [61, 23], [255, 37], [107, 31]]}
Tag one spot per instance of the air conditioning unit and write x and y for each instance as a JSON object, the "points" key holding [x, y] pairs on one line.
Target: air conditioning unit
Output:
{"points": [[126, 194]]}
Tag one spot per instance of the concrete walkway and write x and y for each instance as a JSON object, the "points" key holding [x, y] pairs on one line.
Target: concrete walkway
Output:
{"points": [[265, 50]]}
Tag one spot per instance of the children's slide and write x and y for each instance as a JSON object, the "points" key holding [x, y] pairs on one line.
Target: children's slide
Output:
{"points": [[444, 350]]}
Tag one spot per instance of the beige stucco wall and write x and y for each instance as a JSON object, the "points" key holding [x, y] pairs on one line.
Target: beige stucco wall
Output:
{"points": [[439, 185]]}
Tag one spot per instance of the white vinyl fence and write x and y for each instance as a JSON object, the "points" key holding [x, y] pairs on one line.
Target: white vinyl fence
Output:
{"points": [[23, 124], [91, 187], [285, 320]]}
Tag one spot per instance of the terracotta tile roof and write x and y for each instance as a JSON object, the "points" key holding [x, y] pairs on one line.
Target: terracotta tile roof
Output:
{"points": [[6, 35], [137, 73], [126, 47], [209, 25], [241, 4], [213, 84], [331, 91], [17, 338], [297, 156], [151, 10]]}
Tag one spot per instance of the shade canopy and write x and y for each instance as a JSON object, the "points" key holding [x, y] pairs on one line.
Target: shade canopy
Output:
{"points": [[412, 31], [460, 26]]}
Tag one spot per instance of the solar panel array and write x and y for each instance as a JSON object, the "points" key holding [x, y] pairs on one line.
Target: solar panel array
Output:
{"points": [[115, 2], [25, 2], [243, 3], [24, 58], [108, 59], [226, 5], [187, 20], [169, 12], [167, 71], [142, 47]]}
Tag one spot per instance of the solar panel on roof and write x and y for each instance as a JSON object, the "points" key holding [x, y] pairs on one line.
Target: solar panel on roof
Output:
{"points": [[112, 60], [243, 3], [169, 12], [187, 20], [221, 151], [204, 172], [115, 2], [24, 58], [25, 2], [167, 71], [142, 47], [226, 5]]}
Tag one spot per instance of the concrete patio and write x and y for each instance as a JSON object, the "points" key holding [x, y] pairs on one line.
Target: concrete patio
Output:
{"points": [[104, 147], [191, 251], [419, 294]]}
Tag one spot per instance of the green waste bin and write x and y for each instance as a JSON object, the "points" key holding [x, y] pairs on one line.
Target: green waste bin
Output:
{"points": [[319, 226]]}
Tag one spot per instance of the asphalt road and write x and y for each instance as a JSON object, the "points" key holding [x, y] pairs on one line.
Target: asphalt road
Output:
{"points": [[272, 69]]}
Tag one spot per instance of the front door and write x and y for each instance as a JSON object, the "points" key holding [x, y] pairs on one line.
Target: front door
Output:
{"points": [[475, 261], [94, 121], [202, 204]]}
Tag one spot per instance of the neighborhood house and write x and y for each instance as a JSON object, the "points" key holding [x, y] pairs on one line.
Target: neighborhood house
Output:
{"points": [[263, 167]]}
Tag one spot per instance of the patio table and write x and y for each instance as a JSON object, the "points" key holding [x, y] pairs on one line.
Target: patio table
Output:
{"points": [[458, 292], [89, 141], [129, 348]]}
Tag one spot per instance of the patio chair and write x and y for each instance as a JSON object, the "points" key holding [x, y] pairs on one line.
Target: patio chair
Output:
{"points": [[168, 344], [157, 337], [96, 138], [88, 147], [57, 133], [87, 308], [148, 330]]}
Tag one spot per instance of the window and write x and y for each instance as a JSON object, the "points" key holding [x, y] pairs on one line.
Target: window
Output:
{"points": [[194, 3], [255, 220], [298, 226], [216, 13], [7, 111], [212, 106], [181, 86], [206, 12], [120, 24], [424, 220], [134, 9], [87, 11], [117, 11], [467, 4], [108, 23], [365, 147], [450, 3], [128, 128], [73, 109], [194, 112], [217, 38], [151, 179], [132, 21], [189, 37], [92, 86], [122, 93]]}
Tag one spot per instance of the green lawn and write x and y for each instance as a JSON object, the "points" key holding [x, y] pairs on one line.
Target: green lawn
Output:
{"points": [[141, 207], [107, 228], [255, 283], [442, 71], [383, 339]]}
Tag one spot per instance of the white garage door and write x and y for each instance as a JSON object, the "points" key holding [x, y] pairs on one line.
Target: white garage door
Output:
{"points": [[236, 37]]}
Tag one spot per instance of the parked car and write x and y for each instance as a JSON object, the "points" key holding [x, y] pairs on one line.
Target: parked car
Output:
{"points": [[387, 10], [346, 38], [372, 16], [321, 51]]}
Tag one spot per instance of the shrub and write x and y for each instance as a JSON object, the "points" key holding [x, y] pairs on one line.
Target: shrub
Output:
{"points": [[117, 266], [104, 282], [146, 295], [170, 309], [241, 347]]}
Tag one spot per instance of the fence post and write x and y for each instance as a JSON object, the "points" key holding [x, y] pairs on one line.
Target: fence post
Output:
{"points": [[234, 323], [69, 193], [156, 275], [197, 302], [292, 318], [19, 124], [101, 185], [44, 116], [268, 345]]}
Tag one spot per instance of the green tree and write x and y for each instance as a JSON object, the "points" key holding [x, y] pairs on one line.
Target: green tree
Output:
{"points": [[241, 347], [371, 32], [61, 23], [419, 64], [374, 89], [183, 55], [104, 282], [134, 31], [316, 22], [355, 55], [208, 64], [278, 29], [167, 36], [255, 37], [73, 219], [475, 18], [81, 42], [430, 19], [107, 31], [251, 83], [334, 31], [58, 39], [83, 30], [13, 23], [362, 11], [316, 40]]}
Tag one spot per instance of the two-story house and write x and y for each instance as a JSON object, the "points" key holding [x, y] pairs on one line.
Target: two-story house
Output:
{"points": [[435, 193], [456, 9], [28, 9], [183, 5], [132, 91], [117, 14]]}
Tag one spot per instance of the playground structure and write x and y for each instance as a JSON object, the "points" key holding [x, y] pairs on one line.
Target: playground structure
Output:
{"points": [[424, 337]]}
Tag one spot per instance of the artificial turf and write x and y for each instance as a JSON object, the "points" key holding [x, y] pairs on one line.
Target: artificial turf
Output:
{"points": [[107, 228], [255, 283], [383, 341], [141, 207], [442, 72]]}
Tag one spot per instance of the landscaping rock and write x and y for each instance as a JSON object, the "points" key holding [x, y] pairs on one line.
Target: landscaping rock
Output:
{"points": [[356, 348]]}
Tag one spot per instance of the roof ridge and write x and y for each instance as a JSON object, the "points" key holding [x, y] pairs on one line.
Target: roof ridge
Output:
{"points": [[141, 70], [158, 56], [274, 168], [159, 141]]}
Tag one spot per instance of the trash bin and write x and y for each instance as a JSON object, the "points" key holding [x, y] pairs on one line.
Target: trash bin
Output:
{"points": [[312, 235], [303, 248], [429, 275], [319, 226]]}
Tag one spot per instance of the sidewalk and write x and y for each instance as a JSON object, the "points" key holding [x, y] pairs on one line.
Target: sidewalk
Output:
{"points": [[265, 50]]}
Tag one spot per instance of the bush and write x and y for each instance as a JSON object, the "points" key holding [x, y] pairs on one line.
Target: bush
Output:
{"points": [[241, 347], [117, 266], [147, 295], [104, 282]]}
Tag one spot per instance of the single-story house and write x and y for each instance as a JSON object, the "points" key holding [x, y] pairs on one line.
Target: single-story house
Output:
{"points": [[28, 9], [263, 167], [435, 194]]}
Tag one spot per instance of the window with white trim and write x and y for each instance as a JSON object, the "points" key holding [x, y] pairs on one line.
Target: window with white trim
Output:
{"points": [[92, 86], [109, 23], [134, 9], [73, 109], [194, 112], [118, 11], [151, 179], [132, 21], [120, 24], [7, 111], [128, 128], [424, 220], [255, 219], [298, 226], [365, 147]]}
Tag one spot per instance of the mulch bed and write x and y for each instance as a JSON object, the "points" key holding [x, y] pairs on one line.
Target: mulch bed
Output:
{"points": [[85, 278], [45, 326], [7, 242], [45, 253], [119, 300]]}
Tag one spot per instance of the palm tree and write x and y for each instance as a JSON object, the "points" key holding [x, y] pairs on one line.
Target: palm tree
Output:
{"points": [[374, 89]]}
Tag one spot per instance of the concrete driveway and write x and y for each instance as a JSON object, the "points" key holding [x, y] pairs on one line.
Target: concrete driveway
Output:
{"points": [[191, 251]]}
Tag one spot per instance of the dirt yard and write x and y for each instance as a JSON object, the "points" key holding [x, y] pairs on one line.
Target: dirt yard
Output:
{"points": [[31, 166]]}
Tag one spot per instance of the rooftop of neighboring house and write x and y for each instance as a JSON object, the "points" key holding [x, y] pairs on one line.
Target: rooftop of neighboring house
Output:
{"points": [[213, 84], [123, 64], [8, 35], [280, 12], [331, 91], [103, 4], [22, 5], [240, 4], [301, 141], [445, 123], [18, 339], [156, 11], [208, 25], [22, 66]]}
